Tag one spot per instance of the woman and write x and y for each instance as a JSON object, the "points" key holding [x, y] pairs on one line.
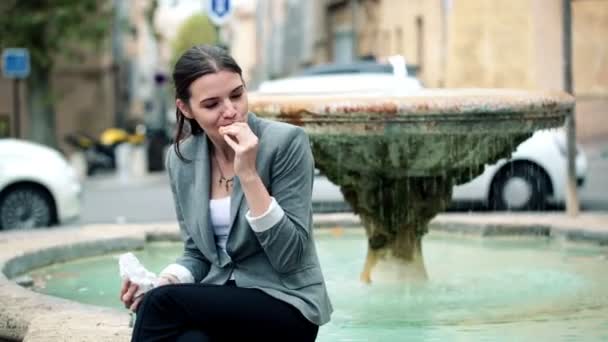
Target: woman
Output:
{"points": [[242, 188]]}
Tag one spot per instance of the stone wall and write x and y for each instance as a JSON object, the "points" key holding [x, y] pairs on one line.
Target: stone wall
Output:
{"points": [[590, 47], [84, 101], [490, 44], [519, 44]]}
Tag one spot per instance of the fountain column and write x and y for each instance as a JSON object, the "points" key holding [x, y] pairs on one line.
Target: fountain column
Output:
{"points": [[395, 214]]}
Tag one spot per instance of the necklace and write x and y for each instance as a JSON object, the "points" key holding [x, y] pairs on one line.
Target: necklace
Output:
{"points": [[227, 182]]}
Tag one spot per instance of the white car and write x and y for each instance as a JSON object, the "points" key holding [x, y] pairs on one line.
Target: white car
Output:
{"points": [[38, 187], [533, 177], [372, 78]]}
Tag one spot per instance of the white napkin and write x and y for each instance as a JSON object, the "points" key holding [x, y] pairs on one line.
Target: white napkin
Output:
{"points": [[132, 269]]}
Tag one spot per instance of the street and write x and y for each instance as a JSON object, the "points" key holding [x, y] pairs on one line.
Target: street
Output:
{"points": [[594, 195], [108, 199]]}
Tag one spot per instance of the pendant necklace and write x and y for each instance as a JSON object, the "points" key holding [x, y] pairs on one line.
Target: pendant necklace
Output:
{"points": [[227, 182]]}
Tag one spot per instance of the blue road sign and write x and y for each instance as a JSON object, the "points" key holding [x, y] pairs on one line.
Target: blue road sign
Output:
{"points": [[219, 10], [15, 63]]}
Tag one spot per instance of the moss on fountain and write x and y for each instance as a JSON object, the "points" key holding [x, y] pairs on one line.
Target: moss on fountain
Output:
{"points": [[410, 155]]}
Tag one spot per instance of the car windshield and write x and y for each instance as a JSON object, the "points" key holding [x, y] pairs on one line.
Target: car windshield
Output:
{"points": [[352, 68], [347, 69]]}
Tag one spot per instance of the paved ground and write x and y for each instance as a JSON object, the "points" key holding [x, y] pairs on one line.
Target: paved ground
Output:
{"points": [[109, 199]]}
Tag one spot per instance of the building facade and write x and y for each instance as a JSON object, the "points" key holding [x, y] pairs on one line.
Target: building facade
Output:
{"points": [[109, 87], [453, 43]]}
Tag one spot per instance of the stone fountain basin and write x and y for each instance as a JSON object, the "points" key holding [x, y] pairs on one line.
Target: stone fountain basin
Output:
{"points": [[428, 133]]}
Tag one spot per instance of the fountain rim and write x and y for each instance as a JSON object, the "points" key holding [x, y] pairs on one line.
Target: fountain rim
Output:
{"points": [[435, 104]]}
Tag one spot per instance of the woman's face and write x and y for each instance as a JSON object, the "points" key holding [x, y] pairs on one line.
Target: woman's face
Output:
{"points": [[216, 100]]}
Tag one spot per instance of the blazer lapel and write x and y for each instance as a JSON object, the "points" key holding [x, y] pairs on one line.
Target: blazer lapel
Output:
{"points": [[235, 201], [202, 177]]}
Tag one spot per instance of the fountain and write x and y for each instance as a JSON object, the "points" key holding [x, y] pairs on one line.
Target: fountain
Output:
{"points": [[397, 158]]}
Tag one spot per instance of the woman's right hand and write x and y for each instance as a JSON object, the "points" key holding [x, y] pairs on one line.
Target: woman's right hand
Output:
{"points": [[128, 290], [127, 295]]}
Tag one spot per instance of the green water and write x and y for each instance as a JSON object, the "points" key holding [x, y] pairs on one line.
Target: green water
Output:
{"points": [[479, 289]]}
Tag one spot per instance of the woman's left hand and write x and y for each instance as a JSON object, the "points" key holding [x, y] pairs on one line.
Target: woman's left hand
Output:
{"points": [[245, 145]]}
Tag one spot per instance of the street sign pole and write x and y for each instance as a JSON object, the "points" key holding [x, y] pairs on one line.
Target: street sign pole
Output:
{"points": [[16, 108], [16, 65], [219, 11], [218, 40], [572, 201]]}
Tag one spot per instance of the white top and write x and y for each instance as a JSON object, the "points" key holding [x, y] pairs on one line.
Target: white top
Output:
{"points": [[219, 211], [261, 223]]}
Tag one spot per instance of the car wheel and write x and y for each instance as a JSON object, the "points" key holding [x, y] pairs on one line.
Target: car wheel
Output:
{"points": [[25, 207], [520, 187]]}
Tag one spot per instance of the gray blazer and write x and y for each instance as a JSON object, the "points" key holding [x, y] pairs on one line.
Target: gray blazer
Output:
{"points": [[281, 261]]}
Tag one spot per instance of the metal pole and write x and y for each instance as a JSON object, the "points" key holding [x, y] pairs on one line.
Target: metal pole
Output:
{"points": [[117, 68], [218, 41], [16, 108], [572, 202]]}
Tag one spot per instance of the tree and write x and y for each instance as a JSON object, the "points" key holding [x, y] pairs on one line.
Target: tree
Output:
{"points": [[196, 30], [52, 31]]}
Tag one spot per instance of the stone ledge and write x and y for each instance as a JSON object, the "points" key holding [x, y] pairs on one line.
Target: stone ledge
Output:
{"points": [[57, 254], [29, 316], [578, 235], [490, 230], [587, 227]]}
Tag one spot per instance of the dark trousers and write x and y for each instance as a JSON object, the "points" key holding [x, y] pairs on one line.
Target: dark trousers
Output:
{"points": [[197, 312]]}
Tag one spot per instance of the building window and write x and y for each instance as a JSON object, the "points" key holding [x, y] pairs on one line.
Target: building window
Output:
{"points": [[420, 41], [386, 42], [343, 45], [4, 126]]}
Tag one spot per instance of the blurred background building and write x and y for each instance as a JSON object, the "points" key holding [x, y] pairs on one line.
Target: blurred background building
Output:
{"points": [[111, 86], [452, 43]]}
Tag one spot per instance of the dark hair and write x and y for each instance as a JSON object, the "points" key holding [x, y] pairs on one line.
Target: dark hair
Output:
{"points": [[198, 61]]}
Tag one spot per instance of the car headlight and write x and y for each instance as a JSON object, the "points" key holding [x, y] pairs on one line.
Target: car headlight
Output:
{"points": [[65, 166]]}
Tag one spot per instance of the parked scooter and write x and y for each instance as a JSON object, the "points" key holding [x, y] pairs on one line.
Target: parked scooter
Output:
{"points": [[100, 154]]}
